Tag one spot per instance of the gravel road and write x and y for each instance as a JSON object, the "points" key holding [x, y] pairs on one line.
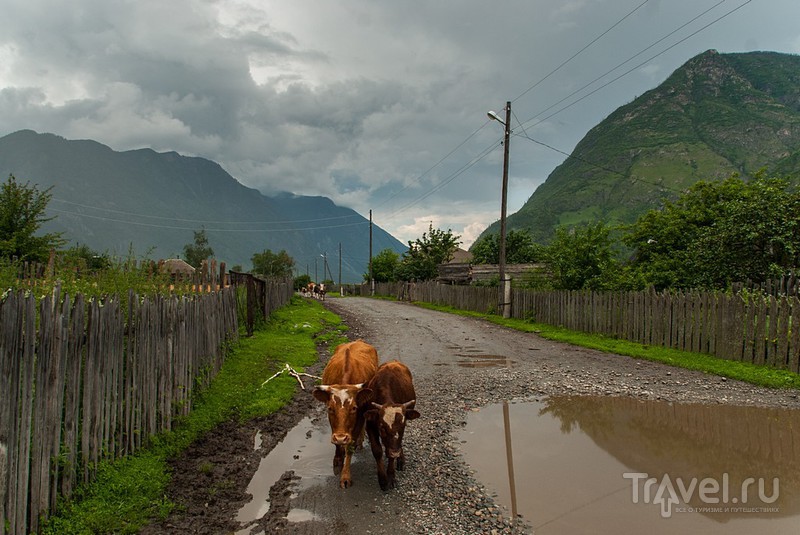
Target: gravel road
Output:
{"points": [[437, 493]]}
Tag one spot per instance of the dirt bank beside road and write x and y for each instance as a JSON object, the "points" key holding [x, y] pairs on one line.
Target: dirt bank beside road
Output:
{"points": [[437, 493]]}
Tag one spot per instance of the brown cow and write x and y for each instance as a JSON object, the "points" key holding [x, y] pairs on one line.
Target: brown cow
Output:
{"points": [[343, 390], [392, 406]]}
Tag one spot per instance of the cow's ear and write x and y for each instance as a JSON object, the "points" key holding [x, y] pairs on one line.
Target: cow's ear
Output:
{"points": [[364, 396], [321, 395], [371, 414], [412, 414]]}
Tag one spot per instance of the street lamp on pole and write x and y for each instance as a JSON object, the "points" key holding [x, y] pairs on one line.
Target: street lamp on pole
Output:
{"points": [[505, 286]]}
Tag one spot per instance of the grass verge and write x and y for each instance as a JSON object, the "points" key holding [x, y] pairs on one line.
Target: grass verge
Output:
{"points": [[127, 493], [742, 371]]}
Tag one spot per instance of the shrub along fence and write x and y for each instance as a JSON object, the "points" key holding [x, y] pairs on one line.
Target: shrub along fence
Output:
{"points": [[86, 380], [747, 326]]}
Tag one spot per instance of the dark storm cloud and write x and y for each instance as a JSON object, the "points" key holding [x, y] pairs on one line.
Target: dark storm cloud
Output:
{"points": [[374, 104]]}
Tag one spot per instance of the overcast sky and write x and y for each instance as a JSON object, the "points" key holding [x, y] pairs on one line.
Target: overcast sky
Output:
{"points": [[375, 104]]}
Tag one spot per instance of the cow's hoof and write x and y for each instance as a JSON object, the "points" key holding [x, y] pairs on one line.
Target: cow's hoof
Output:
{"points": [[345, 483], [383, 483]]}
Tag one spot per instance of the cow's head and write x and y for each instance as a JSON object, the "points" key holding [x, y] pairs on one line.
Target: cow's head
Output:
{"points": [[391, 419], [343, 402]]}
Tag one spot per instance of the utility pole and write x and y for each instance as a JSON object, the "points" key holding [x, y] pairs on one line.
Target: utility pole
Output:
{"points": [[340, 266], [505, 286], [371, 277]]}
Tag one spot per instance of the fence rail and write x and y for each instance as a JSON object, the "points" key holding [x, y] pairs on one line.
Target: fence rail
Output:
{"points": [[82, 381], [750, 327]]}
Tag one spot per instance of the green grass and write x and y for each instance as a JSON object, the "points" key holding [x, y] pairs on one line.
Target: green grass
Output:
{"points": [[742, 371], [130, 491]]}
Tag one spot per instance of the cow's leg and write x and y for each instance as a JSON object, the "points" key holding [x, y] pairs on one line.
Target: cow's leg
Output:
{"points": [[358, 433], [390, 473], [338, 459], [344, 478], [401, 461], [377, 452]]}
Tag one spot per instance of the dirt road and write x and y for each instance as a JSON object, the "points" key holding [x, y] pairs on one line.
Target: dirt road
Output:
{"points": [[458, 364]]}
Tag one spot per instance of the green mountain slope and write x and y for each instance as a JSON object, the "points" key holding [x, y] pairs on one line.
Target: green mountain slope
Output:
{"points": [[154, 202], [715, 115]]}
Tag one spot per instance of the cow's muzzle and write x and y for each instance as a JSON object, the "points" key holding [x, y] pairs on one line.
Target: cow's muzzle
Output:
{"points": [[341, 439]]}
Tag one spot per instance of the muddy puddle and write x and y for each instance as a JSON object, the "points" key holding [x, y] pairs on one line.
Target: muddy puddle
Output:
{"points": [[315, 502], [591, 464], [305, 450]]}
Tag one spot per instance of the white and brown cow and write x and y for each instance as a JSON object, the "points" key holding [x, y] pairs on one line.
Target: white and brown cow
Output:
{"points": [[344, 392], [393, 400]]}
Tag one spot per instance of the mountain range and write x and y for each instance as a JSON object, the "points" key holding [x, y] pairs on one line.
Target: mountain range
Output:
{"points": [[152, 203], [716, 115]]}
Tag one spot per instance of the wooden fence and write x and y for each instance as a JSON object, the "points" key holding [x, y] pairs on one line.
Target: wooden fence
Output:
{"points": [[82, 381], [261, 296], [749, 326]]}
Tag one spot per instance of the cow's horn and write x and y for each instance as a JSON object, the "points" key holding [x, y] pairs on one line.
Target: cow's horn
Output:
{"points": [[409, 404], [376, 405]]}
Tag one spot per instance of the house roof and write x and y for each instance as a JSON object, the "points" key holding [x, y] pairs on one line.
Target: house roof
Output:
{"points": [[461, 257], [176, 265]]}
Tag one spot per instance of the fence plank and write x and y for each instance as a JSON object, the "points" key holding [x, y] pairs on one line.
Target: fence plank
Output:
{"points": [[794, 347], [782, 333], [23, 447]]}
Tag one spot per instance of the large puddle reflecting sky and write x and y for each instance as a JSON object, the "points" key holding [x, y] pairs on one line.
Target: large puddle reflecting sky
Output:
{"points": [[620, 465]]}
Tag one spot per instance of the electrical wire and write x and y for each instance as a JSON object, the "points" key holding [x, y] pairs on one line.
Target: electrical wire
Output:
{"points": [[449, 179], [670, 34], [596, 165], [135, 214], [585, 47], [172, 227], [648, 60], [434, 166]]}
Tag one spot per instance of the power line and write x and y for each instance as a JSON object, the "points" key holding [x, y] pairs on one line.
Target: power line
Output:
{"points": [[135, 214], [436, 188], [584, 48], [670, 34], [596, 165], [434, 166], [576, 54], [172, 227], [648, 60], [445, 182]]}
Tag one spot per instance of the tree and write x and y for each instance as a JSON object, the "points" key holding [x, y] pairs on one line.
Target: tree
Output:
{"points": [[195, 253], [22, 209], [269, 264], [756, 237], [582, 258], [384, 266], [424, 255], [85, 258], [718, 233], [520, 249], [301, 281]]}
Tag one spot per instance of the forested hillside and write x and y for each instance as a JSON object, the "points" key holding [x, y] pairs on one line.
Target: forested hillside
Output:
{"points": [[716, 115]]}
